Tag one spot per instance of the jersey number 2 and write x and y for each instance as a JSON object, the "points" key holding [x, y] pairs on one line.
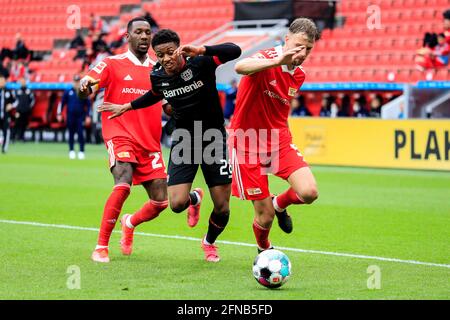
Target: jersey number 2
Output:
{"points": [[155, 164]]}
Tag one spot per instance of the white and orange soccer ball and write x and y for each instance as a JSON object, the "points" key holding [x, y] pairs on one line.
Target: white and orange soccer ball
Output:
{"points": [[272, 268]]}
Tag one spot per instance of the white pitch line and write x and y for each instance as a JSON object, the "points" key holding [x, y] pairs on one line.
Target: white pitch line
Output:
{"points": [[338, 254]]}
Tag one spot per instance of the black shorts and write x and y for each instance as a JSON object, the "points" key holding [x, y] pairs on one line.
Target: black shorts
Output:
{"points": [[186, 155]]}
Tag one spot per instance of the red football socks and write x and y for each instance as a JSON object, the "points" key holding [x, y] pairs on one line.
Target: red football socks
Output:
{"points": [[287, 198], [111, 212], [149, 211], [261, 235]]}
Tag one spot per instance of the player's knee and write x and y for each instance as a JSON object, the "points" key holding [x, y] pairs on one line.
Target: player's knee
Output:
{"points": [[177, 206], [160, 197], [265, 220], [222, 208], [310, 195], [265, 215]]}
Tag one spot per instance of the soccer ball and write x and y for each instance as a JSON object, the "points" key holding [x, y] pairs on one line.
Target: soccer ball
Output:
{"points": [[271, 268]]}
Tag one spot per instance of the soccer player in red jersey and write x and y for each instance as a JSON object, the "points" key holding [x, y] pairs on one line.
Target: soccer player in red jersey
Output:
{"points": [[132, 141], [271, 79]]}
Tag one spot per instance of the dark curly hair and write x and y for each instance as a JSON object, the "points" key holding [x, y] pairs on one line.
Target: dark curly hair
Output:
{"points": [[446, 14], [165, 36]]}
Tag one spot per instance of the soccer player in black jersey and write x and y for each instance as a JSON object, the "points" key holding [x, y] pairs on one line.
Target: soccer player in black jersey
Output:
{"points": [[185, 77]]}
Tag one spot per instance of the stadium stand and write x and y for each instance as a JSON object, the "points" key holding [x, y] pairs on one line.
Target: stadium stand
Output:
{"points": [[354, 52], [351, 52], [347, 51]]}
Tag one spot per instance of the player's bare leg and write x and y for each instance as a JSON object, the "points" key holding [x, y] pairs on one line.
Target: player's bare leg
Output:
{"points": [[122, 172], [181, 198], [157, 193], [304, 185], [303, 190], [218, 220], [264, 215]]}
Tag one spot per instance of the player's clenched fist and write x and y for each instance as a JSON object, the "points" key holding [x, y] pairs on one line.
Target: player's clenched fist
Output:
{"points": [[86, 83]]}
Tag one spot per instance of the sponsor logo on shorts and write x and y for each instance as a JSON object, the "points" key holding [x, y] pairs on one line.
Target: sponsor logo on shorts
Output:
{"points": [[254, 191], [292, 92], [124, 154]]}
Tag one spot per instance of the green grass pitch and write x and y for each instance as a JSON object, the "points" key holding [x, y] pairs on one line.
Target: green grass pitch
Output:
{"points": [[397, 214]]}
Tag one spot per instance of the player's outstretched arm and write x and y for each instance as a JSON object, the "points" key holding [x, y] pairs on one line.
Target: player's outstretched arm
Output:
{"points": [[117, 110], [225, 51], [252, 65]]}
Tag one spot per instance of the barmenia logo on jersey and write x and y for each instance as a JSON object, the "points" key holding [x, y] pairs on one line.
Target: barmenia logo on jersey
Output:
{"points": [[179, 91], [134, 91]]}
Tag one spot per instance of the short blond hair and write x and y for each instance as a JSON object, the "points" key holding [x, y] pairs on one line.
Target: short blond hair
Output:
{"points": [[307, 26]]}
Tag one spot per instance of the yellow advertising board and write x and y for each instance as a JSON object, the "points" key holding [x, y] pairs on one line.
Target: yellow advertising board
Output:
{"points": [[409, 144]]}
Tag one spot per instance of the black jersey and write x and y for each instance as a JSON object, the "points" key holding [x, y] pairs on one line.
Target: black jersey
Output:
{"points": [[192, 93]]}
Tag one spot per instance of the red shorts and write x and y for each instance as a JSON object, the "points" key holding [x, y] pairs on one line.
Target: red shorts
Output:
{"points": [[250, 177], [147, 165]]}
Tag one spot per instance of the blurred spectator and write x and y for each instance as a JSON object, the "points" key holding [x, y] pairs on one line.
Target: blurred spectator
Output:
{"points": [[325, 107], [101, 54], [230, 99], [21, 51], [24, 104], [96, 123], [97, 25], [98, 44], [88, 60], [5, 53], [78, 111], [359, 112], [119, 38], [435, 51], [375, 106], [345, 109], [441, 52], [153, 24], [447, 25], [330, 14], [18, 70], [332, 106], [3, 70], [362, 100], [298, 107], [429, 40], [7, 101], [433, 58], [78, 44]]}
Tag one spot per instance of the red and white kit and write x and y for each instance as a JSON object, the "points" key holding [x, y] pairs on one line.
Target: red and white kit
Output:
{"points": [[134, 136], [263, 108]]}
